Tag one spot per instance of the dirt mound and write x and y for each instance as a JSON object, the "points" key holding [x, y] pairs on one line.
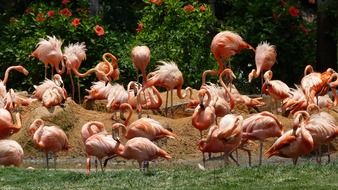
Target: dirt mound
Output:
{"points": [[72, 116]]}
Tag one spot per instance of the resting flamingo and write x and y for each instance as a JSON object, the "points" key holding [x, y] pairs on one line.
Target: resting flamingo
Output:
{"points": [[277, 89], [49, 52], [46, 84], [107, 70], [261, 126], [7, 126], [143, 127], [50, 139], [293, 143], [11, 153], [141, 57], [142, 150], [204, 114], [265, 58], [167, 76]]}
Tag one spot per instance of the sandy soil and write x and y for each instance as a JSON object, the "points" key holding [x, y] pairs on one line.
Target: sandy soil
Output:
{"points": [[72, 116]]}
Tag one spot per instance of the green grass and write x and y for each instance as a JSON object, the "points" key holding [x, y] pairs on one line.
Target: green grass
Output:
{"points": [[178, 177]]}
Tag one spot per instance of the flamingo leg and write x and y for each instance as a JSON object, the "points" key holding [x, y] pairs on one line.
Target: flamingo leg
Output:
{"points": [[328, 153], [249, 154], [78, 89], [72, 83], [88, 164], [203, 159], [166, 104], [261, 84], [100, 161], [55, 157], [46, 68], [140, 165], [260, 152], [95, 163], [295, 161], [233, 159], [47, 160], [171, 101]]}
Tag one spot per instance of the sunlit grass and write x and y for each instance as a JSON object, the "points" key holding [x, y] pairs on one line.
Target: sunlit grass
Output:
{"points": [[308, 176]]}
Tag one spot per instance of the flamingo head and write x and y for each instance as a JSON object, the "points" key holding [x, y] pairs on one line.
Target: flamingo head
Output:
{"points": [[21, 69], [35, 125], [58, 80]]}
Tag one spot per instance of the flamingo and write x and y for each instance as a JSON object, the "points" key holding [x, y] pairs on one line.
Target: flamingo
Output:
{"points": [[107, 71], [100, 145], [141, 57], [261, 126], [265, 58], [46, 84], [48, 138], [167, 76], [11, 153], [277, 89], [315, 84], [7, 126], [54, 96], [90, 128], [143, 127], [142, 150], [293, 143], [204, 114], [49, 52], [224, 45]]}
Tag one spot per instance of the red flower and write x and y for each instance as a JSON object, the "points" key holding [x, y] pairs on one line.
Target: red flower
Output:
{"points": [[189, 8], [76, 22], [293, 11], [157, 2], [139, 27], [40, 17], [65, 12], [99, 30], [202, 8], [304, 29], [50, 13], [65, 1]]}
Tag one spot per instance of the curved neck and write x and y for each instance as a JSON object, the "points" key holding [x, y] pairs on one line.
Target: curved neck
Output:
{"points": [[126, 106], [63, 67], [10, 69], [77, 73], [308, 69], [220, 78]]}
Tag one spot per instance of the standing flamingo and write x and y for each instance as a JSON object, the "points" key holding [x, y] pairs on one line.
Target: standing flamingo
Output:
{"points": [[226, 44], [143, 127], [277, 89], [167, 76], [204, 115], [142, 150], [48, 138], [3, 82], [265, 58], [100, 145], [11, 153], [261, 126], [293, 143], [49, 52], [7, 126], [141, 57]]}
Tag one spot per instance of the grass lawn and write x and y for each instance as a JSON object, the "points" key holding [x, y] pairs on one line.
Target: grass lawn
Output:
{"points": [[308, 176]]}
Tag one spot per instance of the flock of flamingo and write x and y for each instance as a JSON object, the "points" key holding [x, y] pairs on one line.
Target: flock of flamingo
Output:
{"points": [[213, 106]]}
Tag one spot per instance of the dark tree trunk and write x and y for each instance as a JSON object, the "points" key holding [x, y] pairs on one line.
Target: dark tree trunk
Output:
{"points": [[94, 6], [326, 43]]}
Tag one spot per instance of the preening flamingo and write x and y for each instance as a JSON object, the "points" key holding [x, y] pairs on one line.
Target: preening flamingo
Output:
{"points": [[169, 77], [47, 84], [293, 143], [261, 126], [11, 153], [107, 70], [143, 127], [140, 56], [50, 139], [3, 82], [226, 44], [7, 126], [204, 114], [277, 89], [90, 128], [49, 52], [265, 58], [141, 149], [100, 145]]}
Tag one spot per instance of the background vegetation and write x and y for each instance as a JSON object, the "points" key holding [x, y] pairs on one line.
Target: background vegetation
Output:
{"points": [[175, 30]]}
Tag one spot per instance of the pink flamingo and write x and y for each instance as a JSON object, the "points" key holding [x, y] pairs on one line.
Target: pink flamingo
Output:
{"points": [[7, 126], [143, 127], [49, 52], [48, 138], [293, 143], [265, 58], [277, 89], [204, 115], [261, 126], [226, 44], [11, 153], [107, 70], [141, 57], [100, 145], [142, 150], [47, 84], [167, 76]]}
